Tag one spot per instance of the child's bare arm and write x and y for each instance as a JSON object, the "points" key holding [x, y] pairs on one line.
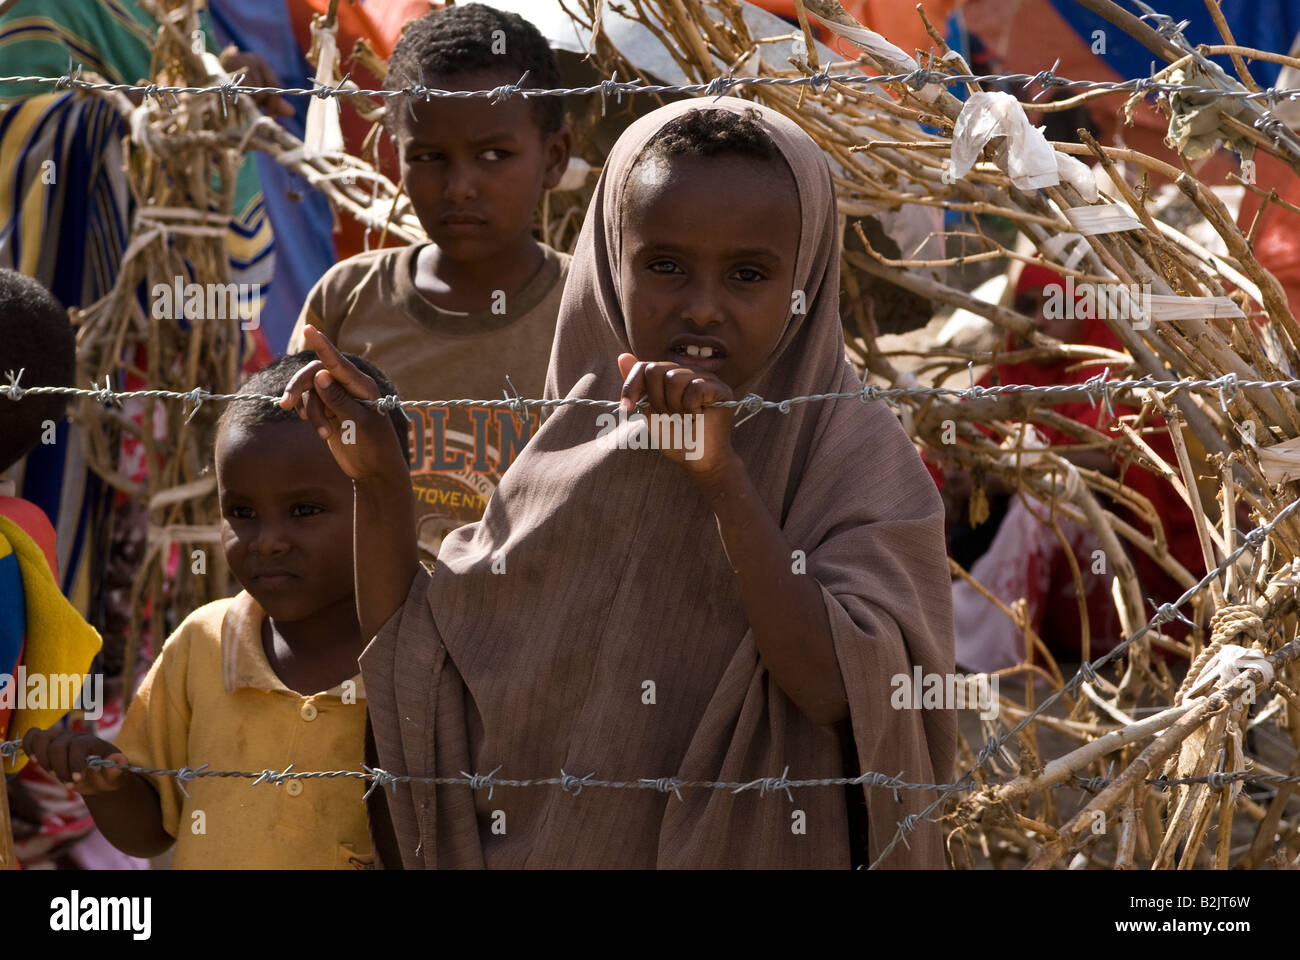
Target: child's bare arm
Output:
{"points": [[785, 610], [125, 805], [385, 551]]}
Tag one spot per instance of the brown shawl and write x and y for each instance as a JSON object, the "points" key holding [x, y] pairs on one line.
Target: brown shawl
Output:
{"points": [[615, 575]]}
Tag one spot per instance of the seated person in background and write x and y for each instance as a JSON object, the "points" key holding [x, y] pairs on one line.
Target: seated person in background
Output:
{"points": [[1024, 558]]}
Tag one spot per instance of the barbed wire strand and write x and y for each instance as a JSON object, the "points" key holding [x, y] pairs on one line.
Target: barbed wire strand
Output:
{"points": [[230, 90], [575, 784], [918, 78], [1096, 387]]}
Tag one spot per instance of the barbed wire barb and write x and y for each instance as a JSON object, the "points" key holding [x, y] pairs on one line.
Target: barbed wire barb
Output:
{"points": [[380, 778], [478, 781], [12, 389]]}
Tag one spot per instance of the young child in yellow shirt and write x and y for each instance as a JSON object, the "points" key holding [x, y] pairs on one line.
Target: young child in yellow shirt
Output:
{"points": [[253, 682]]}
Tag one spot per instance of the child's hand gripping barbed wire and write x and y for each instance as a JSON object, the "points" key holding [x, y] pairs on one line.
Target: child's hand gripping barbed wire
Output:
{"points": [[65, 754], [326, 393]]}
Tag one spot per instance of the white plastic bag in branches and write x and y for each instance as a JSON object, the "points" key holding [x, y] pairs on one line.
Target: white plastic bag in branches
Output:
{"points": [[324, 134], [1029, 159]]}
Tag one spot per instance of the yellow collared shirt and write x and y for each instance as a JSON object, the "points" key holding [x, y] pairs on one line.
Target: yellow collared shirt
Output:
{"points": [[211, 697]]}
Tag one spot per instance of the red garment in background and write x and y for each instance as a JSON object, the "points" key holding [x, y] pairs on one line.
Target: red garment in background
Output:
{"points": [[1277, 238], [1175, 515], [35, 524]]}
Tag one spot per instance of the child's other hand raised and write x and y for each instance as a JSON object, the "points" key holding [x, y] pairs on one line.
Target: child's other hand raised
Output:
{"points": [[674, 389], [325, 392], [64, 754]]}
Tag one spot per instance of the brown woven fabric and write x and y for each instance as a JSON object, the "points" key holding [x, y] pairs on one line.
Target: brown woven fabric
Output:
{"points": [[615, 575]]}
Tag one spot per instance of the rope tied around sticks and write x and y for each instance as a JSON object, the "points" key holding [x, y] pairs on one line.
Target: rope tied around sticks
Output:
{"points": [[1235, 618], [1226, 622]]}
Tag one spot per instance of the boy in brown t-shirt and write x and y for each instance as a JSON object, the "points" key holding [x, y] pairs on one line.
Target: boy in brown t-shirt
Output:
{"points": [[451, 318]]}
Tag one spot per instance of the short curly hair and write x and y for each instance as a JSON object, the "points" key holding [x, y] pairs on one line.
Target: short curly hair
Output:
{"points": [[272, 380], [711, 132], [36, 337], [460, 39]]}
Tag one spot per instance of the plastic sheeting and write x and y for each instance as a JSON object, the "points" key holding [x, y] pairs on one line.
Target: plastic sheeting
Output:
{"points": [[1025, 155]]}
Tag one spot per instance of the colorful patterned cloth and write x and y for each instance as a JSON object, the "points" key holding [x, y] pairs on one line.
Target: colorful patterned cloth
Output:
{"points": [[51, 637], [62, 163], [66, 214]]}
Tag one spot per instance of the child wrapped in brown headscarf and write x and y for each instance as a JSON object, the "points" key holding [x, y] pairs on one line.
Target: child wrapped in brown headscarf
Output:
{"points": [[591, 623]]}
